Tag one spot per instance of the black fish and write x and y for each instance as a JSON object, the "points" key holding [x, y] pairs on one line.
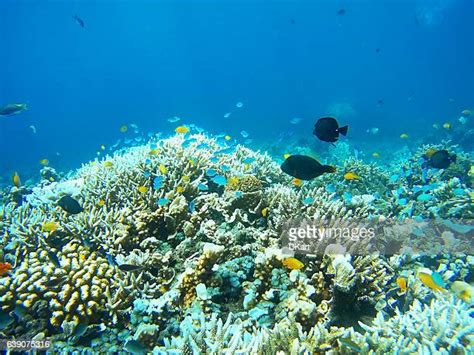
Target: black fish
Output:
{"points": [[70, 205], [292, 21], [327, 129], [341, 12], [441, 159], [12, 109], [304, 167], [79, 21], [130, 267], [377, 50]]}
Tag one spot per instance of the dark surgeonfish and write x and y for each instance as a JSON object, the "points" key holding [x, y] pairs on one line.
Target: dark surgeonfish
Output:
{"points": [[305, 168], [70, 205], [327, 129], [441, 159], [79, 21], [12, 109]]}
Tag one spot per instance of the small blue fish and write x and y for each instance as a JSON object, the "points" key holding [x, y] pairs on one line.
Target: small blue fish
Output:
{"points": [[227, 150], [394, 178], [192, 206], [402, 202], [424, 197], [244, 134], [211, 172], [153, 146], [417, 188], [202, 187], [214, 160], [331, 188], [347, 196], [146, 174], [110, 259], [219, 180], [308, 200], [173, 119], [203, 146], [158, 182], [408, 173], [459, 192], [418, 219], [248, 141], [248, 160], [238, 194], [225, 168], [162, 201], [148, 161], [186, 143]]}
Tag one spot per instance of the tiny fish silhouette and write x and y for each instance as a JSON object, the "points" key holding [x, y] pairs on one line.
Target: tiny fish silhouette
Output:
{"points": [[79, 21]]}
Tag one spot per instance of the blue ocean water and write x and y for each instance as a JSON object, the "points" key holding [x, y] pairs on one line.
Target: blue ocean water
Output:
{"points": [[399, 66]]}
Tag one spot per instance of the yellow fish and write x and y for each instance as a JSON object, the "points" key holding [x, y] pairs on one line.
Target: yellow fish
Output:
{"points": [[191, 162], [50, 226], [466, 113], [179, 189], [233, 181], [426, 277], [351, 176], [447, 125], [143, 189], [185, 178], [51, 179], [403, 136], [286, 156], [16, 179], [163, 169], [376, 155], [297, 182], [182, 129], [463, 290], [154, 152], [402, 284], [293, 264], [101, 203], [429, 153], [44, 162], [265, 212], [108, 164], [227, 138], [123, 128], [102, 147]]}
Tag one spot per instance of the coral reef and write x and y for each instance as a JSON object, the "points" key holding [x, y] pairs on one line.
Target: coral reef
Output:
{"points": [[179, 249]]}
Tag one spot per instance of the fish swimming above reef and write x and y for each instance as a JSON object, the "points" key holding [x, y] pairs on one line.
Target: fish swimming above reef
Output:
{"points": [[327, 129], [341, 12], [79, 21], [292, 263], [12, 109], [70, 205], [16, 179], [441, 159], [304, 167]]}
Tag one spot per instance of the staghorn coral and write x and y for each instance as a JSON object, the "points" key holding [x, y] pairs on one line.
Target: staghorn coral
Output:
{"points": [[443, 327], [201, 336]]}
